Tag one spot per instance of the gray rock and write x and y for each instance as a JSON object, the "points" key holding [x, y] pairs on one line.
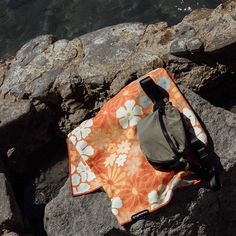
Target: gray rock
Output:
{"points": [[193, 211], [179, 48], [194, 45], [86, 215], [23, 130], [7, 233], [216, 28], [37, 65], [107, 50], [186, 31], [10, 217], [10, 111], [33, 48], [185, 47]]}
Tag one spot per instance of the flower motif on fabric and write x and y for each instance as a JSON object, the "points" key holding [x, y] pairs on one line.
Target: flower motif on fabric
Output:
{"points": [[85, 173], [84, 150], [164, 83], [80, 178], [75, 179], [157, 197], [112, 148], [129, 114], [145, 101], [99, 138], [124, 147], [132, 165], [116, 204], [82, 188], [74, 156], [72, 168], [72, 139], [189, 114], [153, 199], [110, 160], [200, 135], [120, 160], [112, 180], [134, 194], [83, 130]]}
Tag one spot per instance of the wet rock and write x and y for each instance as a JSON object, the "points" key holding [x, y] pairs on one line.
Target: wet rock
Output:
{"points": [[191, 211]]}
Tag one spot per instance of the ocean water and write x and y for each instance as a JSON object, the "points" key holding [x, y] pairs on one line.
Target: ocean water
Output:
{"points": [[22, 20]]}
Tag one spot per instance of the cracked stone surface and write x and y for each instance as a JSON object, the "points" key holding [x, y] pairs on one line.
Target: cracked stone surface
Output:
{"points": [[51, 85]]}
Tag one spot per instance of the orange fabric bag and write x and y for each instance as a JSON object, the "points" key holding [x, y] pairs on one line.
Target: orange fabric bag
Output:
{"points": [[104, 152]]}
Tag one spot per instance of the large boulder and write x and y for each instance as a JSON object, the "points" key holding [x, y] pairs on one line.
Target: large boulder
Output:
{"points": [[193, 211]]}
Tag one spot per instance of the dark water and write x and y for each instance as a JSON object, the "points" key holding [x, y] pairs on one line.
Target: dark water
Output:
{"points": [[21, 20]]}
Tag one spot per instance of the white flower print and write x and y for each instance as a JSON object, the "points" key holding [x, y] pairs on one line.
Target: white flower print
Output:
{"points": [[85, 172], [153, 199], [189, 114], [167, 194], [84, 150], [120, 160], [175, 182], [75, 179], [129, 115], [124, 147], [82, 188], [73, 168], [110, 160], [201, 136], [115, 205], [197, 130], [157, 197], [72, 139], [83, 130]]}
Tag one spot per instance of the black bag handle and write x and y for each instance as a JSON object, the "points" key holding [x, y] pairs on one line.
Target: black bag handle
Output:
{"points": [[152, 90]]}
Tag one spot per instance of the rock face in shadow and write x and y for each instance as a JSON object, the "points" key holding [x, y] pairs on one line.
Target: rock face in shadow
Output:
{"points": [[10, 216], [52, 85], [195, 211]]}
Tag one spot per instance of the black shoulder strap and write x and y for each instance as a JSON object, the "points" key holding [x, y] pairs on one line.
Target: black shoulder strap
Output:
{"points": [[151, 89], [205, 159]]}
